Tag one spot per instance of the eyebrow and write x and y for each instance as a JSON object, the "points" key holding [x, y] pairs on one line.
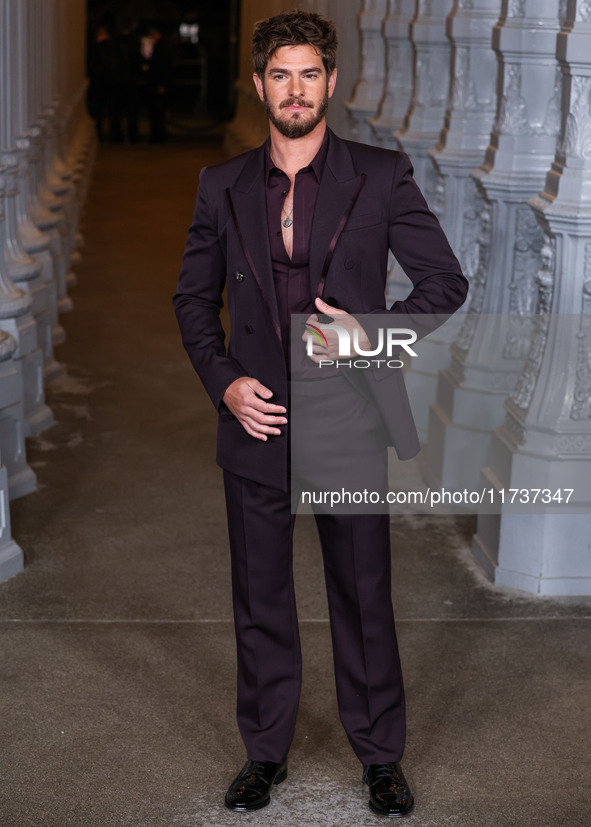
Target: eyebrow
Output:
{"points": [[289, 71]]}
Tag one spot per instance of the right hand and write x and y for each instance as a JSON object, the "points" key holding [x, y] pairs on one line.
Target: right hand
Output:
{"points": [[245, 398]]}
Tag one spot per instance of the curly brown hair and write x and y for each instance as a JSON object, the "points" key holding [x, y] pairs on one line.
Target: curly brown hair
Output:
{"points": [[294, 28]]}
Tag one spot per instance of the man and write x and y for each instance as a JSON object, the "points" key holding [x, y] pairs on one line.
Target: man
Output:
{"points": [[307, 214]]}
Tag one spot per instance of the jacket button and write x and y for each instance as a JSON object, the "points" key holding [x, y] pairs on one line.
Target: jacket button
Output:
{"points": [[349, 263], [239, 276], [249, 328]]}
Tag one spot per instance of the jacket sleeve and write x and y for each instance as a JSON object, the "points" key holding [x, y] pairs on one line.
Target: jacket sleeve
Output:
{"points": [[422, 250], [198, 300]]}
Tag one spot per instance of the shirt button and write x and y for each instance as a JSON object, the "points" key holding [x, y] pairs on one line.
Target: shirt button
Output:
{"points": [[249, 328], [239, 276]]}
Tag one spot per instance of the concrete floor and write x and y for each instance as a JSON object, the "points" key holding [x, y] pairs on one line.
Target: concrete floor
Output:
{"points": [[117, 677]]}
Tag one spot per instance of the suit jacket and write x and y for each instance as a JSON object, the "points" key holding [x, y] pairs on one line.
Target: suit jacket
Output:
{"points": [[368, 203]]}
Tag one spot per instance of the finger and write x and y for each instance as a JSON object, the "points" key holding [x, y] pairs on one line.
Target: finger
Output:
{"points": [[327, 309], [253, 433], [264, 419], [260, 389], [261, 428], [257, 404]]}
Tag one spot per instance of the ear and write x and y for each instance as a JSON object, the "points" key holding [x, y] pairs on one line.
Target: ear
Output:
{"points": [[332, 82], [259, 86]]}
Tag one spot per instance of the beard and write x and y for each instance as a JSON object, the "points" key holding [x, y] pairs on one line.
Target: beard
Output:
{"points": [[295, 126]]}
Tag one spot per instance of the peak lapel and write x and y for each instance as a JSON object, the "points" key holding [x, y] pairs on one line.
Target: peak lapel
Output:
{"points": [[248, 204], [339, 187]]}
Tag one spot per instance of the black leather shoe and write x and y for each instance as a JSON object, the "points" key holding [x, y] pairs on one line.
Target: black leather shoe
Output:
{"points": [[389, 794], [251, 789]]}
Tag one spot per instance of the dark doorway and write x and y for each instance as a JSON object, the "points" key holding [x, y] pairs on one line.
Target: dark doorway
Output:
{"points": [[202, 43]]}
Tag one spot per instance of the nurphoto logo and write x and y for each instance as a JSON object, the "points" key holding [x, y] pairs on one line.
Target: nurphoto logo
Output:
{"points": [[389, 340]]}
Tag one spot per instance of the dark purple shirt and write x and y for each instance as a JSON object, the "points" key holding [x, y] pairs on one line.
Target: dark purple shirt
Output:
{"points": [[291, 276]]}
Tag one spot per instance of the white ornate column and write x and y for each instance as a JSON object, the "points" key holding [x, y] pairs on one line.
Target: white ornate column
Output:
{"points": [[46, 208], [11, 556], [546, 439], [489, 353], [423, 124], [463, 141], [430, 90], [397, 90], [16, 320], [19, 267], [36, 242], [469, 119], [368, 90]]}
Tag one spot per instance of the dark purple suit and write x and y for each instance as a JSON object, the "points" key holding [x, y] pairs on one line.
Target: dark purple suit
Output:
{"points": [[367, 203]]}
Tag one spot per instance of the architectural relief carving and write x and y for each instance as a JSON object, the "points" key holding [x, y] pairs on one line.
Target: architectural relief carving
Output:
{"points": [[516, 8], [522, 287], [478, 285], [577, 138], [584, 11], [581, 407], [513, 110], [463, 91], [471, 222], [552, 119], [522, 393]]}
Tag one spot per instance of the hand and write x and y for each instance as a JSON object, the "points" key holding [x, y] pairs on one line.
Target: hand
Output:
{"points": [[257, 417], [341, 318]]}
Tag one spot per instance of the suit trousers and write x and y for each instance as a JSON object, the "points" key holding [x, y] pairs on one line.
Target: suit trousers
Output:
{"points": [[357, 570]]}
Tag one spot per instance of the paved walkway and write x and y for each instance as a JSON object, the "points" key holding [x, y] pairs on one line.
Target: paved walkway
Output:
{"points": [[117, 667]]}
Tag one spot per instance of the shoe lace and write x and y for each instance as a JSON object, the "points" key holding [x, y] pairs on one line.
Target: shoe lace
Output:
{"points": [[256, 766], [390, 772]]}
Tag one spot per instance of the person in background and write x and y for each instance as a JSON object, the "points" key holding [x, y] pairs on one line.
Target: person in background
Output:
{"points": [[105, 92], [157, 69]]}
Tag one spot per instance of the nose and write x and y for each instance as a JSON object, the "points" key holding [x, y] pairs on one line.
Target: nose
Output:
{"points": [[296, 86]]}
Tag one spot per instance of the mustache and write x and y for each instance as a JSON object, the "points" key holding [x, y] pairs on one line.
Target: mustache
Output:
{"points": [[295, 101]]}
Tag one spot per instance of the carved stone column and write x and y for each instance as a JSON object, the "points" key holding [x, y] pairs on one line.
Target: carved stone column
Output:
{"points": [[468, 122], [546, 439], [46, 207], [420, 132], [397, 91], [370, 85], [430, 90], [11, 556], [489, 353], [19, 267], [30, 245], [15, 381]]}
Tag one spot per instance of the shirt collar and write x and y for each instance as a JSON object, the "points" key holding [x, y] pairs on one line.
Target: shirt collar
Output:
{"points": [[316, 165]]}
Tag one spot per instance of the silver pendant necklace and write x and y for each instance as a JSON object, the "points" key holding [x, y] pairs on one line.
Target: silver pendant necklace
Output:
{"points": [[288, 220]]}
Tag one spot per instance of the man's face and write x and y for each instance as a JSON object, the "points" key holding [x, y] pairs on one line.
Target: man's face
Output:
{"points": [[295, 90]]}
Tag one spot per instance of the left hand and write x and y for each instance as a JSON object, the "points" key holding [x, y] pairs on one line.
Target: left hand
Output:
{"points": [[341, 318]]}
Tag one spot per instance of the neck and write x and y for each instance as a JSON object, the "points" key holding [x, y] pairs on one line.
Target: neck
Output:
{"points": [[292, 154]]}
